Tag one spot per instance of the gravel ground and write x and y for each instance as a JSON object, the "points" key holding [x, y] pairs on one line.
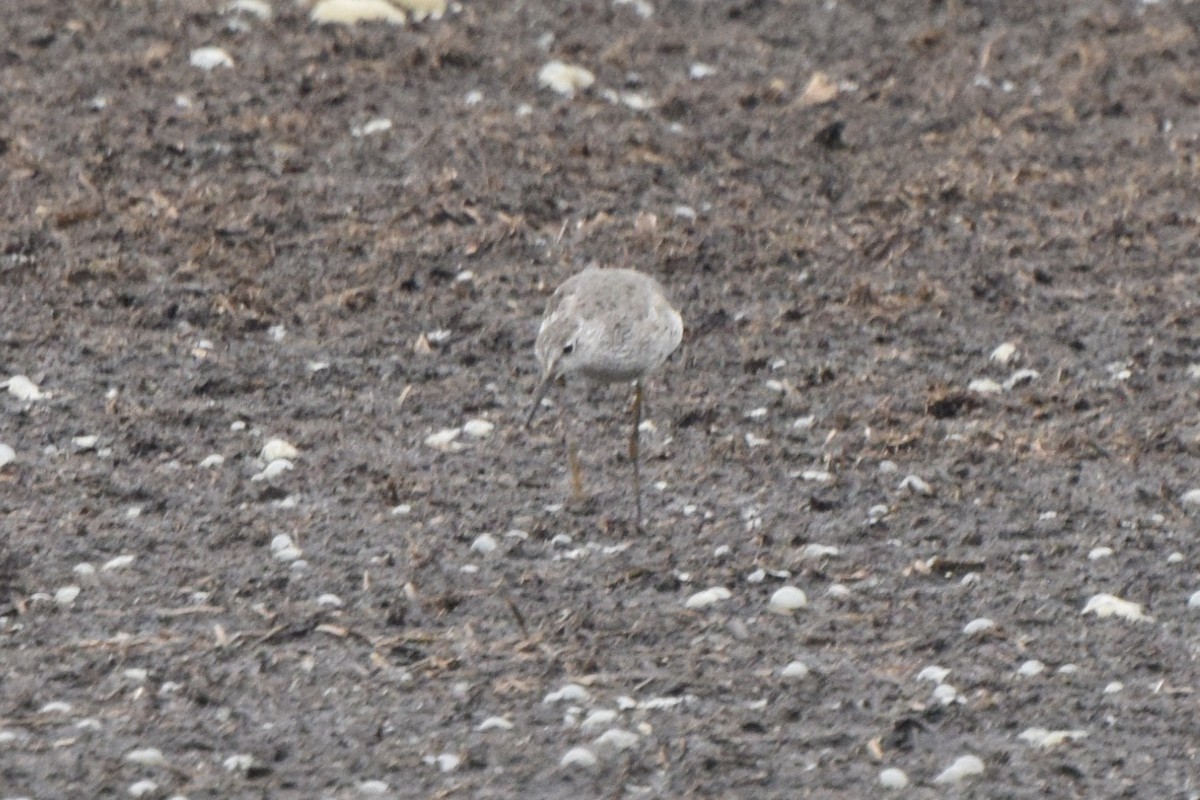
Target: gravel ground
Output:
{"points": [[936, 263]]}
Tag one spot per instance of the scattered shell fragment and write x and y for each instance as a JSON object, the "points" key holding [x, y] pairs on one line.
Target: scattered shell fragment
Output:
{"points": [[120, 562], [1194, 600], [1109, 605], [787, 599], [210, 58], [447, 762], [616, 739], [1004, 354], [946, 694], [572, 692], [485, 544], [820, 89], [273, 470], [56, 707], [1040, 737], [379, 125], [212, 460], [1030, 668], [795, 670], [85, 442], [22, 388], [278, 448], [812, 552], [423, 9], [708, 597], [916, 485], [984, 386], [933, 673], [444, 440], [1116, 687], [564, 78], [239, 762], [893, 778], [478, 428], [146, 757], [284, 548], [1189, 498], [373, 788], [495, 723], [578, 757], [1097, 553], [962, 768], [978, 626], [817, 475], [142, 788], [66, 595], [329, 601], [1019, 377], [7, 455], [349, 12], [601, 716], [754, 440]]}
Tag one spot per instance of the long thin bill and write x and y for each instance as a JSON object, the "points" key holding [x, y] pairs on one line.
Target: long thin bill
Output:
{"points": [[547, 379]]}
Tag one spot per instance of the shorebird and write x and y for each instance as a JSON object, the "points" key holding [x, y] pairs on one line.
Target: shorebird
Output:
{"points": [[606, 325]]}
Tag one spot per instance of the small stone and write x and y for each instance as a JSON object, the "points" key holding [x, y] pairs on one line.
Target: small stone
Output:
{"points": [[1108, 605], [273, 470], [795, 670], [787, 599], [239, 762], [448, 762], [917, 485], [349, 12], [1004, 354], [1031, 668], [578, 757], [616, 739], [1097, 553], [1194, 600], [120, 562], [1042, 738], [813, 552], [976, 626], [22, 388], [1190, 497], [495, 723], [708, 597], [7, 455], [329, 601], [278, 448], [484, 544], [571, 692], [66, 595], [893, 778], [564, 78], [984, 386], [962, 768], [1116, 687], [209, 58], [478, 428], [146, 757], [213, 460], [444, 440], [933, 673], [372, 788], [601, 716], [142, 788]]}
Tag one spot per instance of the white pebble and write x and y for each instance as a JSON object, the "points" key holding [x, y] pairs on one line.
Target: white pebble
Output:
{"points": [[478, 428], [571, 692], [565, 79], [688, 213], [278, 448], [708, 597], [1097, 553], [578, 757], [273, 470], [329, 601], [978, 626], [142, 788], [812, 552], [699, 71], [348, 12], [893, 778], [1031, 668], [722, 550], [1040, 737], [495, 723], [22, 388], [237, 425], [933, 673], [984, 386], [757, 413], [1116, 687], [372, 127], [1191, 497], [758, 576], [85, 442], [66, 595], [120, 562], [917, 485], [795, 670], [484, 544], [213, 460], [83, 568], [7, 455], [1175, 557], [373, 788], [444, 440], [1109, 605], [616, 739], [1194, 600], [963, 767], [817, 475], [753, 440], [56, 707], [601, 716], [946, 694], [1021, 376], [210, 58], [239, 762], [1004, 353], [448, 762], [1068, 669], [838, 591], [804, 423], [146, 757], [136, 674], [787, 599], [7, 736]]}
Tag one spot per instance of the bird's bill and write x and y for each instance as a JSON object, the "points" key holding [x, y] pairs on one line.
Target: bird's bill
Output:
{"points": [[543, 386]]}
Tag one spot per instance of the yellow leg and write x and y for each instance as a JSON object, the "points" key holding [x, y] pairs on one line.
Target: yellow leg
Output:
{"points": [[573, 464], [633, 454]]}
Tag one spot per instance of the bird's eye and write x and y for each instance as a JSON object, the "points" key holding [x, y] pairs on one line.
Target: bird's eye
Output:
{"points": [[568, 348]]}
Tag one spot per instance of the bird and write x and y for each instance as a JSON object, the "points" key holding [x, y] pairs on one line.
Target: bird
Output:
{"points": [[606, 325]]}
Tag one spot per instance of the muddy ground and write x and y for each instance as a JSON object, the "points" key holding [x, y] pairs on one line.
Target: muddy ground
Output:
{"points": [[194, 262]]}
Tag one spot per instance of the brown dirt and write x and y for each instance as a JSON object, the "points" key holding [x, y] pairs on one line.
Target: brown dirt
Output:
{"points": [[985, 174]]}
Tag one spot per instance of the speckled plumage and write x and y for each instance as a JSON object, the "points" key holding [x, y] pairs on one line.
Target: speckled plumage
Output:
{"points": [[607, 325]]}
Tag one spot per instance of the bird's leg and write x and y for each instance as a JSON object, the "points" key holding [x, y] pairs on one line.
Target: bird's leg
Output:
{"points": [[633, 453], [572, 458]]}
